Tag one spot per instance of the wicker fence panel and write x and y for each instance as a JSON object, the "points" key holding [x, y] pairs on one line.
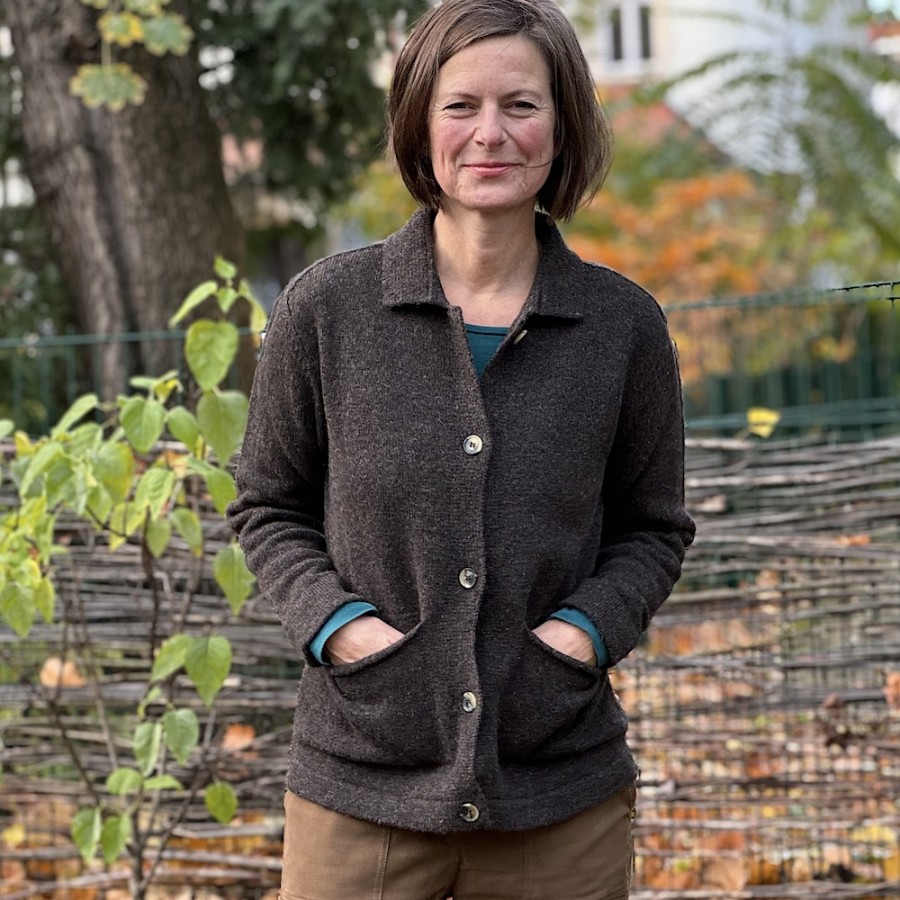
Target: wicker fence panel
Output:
{"points": [[764, 703]]}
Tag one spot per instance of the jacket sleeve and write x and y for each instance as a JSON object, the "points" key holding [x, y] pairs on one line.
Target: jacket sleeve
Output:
{"points": [[278, 514], [646, 529]]}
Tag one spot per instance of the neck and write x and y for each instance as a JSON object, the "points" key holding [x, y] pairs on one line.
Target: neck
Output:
{"points": [[486, 264]]}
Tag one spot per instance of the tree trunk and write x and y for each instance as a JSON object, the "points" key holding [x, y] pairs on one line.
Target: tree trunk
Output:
{"points": [[135, 200]]}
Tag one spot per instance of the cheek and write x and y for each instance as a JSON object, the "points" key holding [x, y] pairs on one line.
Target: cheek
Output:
{"points": [[538, 138], [446, 139]]}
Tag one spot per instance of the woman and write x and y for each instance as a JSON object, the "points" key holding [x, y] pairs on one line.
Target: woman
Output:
{"points": [[461, 489]]}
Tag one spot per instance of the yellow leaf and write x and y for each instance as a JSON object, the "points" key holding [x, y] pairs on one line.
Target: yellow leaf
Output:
{"points": [[121, 28], [892, 867], [762, 421], [24, 447], [13, 837]]}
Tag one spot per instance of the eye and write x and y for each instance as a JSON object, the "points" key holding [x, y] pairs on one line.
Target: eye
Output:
{"points": [[522, 107], [458, 106]]}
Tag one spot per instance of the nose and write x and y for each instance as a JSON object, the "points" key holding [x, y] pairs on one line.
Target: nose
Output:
{"points": [[490, 131]]}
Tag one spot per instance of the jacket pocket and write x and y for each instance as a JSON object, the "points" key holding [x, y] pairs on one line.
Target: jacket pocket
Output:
{"points": [[555, 706], [378, 709]]}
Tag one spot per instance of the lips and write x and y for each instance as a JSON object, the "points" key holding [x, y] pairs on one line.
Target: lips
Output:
{"points": [[490, 168]]}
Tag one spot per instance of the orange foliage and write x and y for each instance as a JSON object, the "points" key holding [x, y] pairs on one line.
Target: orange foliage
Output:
{"points": [[687, 239]]}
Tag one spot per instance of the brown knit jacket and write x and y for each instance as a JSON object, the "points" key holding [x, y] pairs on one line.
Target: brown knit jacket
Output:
{"points": [[357, 482]]}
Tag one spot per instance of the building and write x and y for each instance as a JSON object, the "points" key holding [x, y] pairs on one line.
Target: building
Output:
{"points": [[630, 42]]}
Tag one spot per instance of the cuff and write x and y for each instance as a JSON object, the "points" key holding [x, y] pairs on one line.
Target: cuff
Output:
{"points": [[347, 613], [580, 620]]}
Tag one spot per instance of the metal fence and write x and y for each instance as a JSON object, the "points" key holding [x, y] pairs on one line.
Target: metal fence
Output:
{"points": [[827, 361]]}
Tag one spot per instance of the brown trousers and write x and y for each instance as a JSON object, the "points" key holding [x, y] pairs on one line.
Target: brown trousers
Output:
{"points": [[330, 856]]}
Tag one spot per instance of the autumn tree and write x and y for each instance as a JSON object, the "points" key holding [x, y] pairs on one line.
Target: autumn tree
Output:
{"points": [[801, 115]]}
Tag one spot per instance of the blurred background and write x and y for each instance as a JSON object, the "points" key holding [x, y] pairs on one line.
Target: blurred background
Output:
{"points": [[757, 154], [755, 192]]}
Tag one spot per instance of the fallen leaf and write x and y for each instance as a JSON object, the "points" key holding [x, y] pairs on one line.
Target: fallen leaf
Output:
{"points": [[58, 673], [238, 736]]}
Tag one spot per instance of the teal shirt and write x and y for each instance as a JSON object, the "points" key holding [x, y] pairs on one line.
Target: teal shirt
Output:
{"points": [[484, 340]]}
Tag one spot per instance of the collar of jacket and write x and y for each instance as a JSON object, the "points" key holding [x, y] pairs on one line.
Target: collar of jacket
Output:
{"points": [[409, 277]]}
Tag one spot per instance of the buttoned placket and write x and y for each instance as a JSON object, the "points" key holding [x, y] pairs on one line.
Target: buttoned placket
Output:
{"points": [[472, 451]]}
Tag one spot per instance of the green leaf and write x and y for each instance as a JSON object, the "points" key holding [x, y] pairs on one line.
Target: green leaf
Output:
{"points": [[181, 731], [142, 382], [161, 387], [221, 488], [163, 783], [154, 489], [17, 607], [183, 426], [224, 269], [114, 466], [7, 427], [78, 410], [167, 33], [124, 781], [220, 801], [45, 456], [86, 829], [113, 86], [115, 834], [147, 744], [83, 439], [64, 482], [143, 421], [200, 293], [170, 657], [210, 348], [187, 524], [124, 520], [226, 297], [157, 535], [45, 599], [208, 661], [154, 694], [96, 4], [223, 420], [232, 575]]}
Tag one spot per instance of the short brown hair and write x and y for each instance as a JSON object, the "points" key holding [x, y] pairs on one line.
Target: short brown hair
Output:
{"points": [[583, 134]]}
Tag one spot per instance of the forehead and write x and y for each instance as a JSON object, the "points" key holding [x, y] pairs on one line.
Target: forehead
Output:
{"points": [[512, 58]]}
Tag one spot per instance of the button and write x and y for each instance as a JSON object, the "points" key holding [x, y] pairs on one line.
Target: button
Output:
{"points": [[470, 701], [473, 444], [468, 812], [468, 577]]}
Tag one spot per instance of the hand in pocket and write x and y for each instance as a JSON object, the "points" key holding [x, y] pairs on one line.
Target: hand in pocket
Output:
{"points": [[360, 638], [568, 639]]}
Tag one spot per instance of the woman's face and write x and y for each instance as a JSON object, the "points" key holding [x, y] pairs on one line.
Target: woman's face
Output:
{"points": [[491, 126]]}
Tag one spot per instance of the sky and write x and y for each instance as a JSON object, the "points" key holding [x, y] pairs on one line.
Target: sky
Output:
{"points": [[885, 5]]}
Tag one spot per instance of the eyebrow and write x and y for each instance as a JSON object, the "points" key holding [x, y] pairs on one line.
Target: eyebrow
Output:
{"points": [[468, 95]]}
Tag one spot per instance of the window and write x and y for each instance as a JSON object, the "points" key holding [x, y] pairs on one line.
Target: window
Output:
{"points": [[615, 24], [646, 47], [630, 33]]}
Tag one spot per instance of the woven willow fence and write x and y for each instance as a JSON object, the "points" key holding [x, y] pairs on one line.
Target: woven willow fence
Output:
{"points": [[764, 704]]}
